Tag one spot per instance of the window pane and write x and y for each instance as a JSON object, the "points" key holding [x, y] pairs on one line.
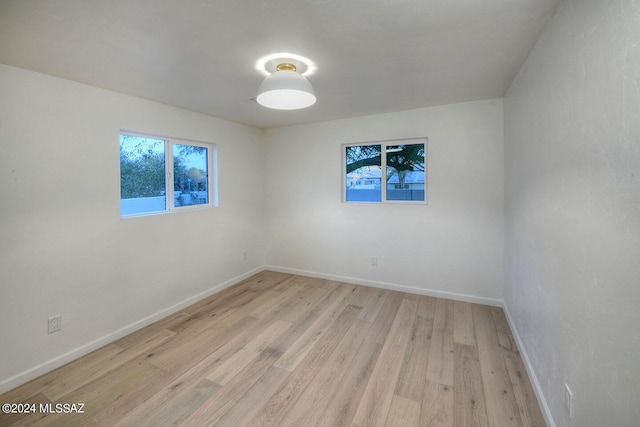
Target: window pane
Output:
{"points": [[142, 175], [364, 173], [405, 172], [190, 175]]}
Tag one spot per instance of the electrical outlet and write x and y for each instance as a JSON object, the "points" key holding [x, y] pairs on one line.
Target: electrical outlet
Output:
{"points": [[54, 324], [245, 255], [374, 261], [568, 400]]}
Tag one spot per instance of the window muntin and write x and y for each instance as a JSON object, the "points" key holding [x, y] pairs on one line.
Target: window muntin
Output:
{"points": [[159, 175], [404, 172]]}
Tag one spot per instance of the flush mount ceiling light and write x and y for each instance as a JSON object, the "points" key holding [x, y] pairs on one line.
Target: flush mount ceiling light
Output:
{"points": [[285, 88]]}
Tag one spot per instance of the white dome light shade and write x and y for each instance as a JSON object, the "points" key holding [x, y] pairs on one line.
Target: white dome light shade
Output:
{"points": [[286, 90]]}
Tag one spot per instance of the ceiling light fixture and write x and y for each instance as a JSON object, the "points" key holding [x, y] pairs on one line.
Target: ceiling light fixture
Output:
{"points": [[286, 89]]}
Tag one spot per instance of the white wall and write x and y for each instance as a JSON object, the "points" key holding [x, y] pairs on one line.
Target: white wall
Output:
{"points": [[64, 248], [572, 183], [451, 247]]}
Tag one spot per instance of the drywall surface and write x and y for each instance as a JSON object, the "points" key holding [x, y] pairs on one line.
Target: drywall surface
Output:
{"points": [[64, 249], [453, 246], [572, 200]]}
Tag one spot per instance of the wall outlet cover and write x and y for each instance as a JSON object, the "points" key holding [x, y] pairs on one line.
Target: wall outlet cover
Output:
{"points": [[54, 324]]}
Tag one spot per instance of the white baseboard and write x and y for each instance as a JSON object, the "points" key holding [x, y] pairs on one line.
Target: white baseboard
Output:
{"points": [[391, 286], [529, 367], [43, 368]]}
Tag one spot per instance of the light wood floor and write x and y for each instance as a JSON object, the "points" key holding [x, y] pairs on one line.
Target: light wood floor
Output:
{"points": [[284, 350]]}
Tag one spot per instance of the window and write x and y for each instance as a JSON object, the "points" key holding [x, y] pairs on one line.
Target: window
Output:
{"points": [[404, 172], [161, 175]]}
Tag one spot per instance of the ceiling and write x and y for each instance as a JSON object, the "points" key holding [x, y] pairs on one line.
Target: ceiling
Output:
{"points": [[372, 56]]}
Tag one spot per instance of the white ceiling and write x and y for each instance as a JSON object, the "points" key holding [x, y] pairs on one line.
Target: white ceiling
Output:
{"points": [[372, 56]]}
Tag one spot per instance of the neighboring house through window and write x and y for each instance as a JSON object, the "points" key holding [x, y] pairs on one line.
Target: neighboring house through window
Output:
{"points": [[402, 179]]}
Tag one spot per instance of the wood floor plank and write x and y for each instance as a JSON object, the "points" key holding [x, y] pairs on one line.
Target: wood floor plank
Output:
{"points": [[291, 280], [411, 380], [119, 408], [7, 419], [440, 367], [267, 279], [201, 339], [371, 301], [80, 377], [293, 306], [188, 348], [311, 405], [228, 396], [403, 413], [282, 401], [201, 315], [99, 394], [463, 330], [469, 401], [188, 369], [187, 377], [284, 350], [299, 349], [384, 319], [254, 400], [528, 408], [243, 357], [232, 299], [296, 330], [87, 366], [302, 313], [178, 410], [376, 401], [168, 323], [437, 409], [426, 306], [498, 391], [281, 298], [343, 405]]}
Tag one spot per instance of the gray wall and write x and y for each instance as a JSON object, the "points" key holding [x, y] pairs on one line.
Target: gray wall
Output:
{"points": [[572, 199]]}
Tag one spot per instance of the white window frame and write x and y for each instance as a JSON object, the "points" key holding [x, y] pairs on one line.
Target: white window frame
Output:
{"points": [[212, 175], [383, 166]]}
